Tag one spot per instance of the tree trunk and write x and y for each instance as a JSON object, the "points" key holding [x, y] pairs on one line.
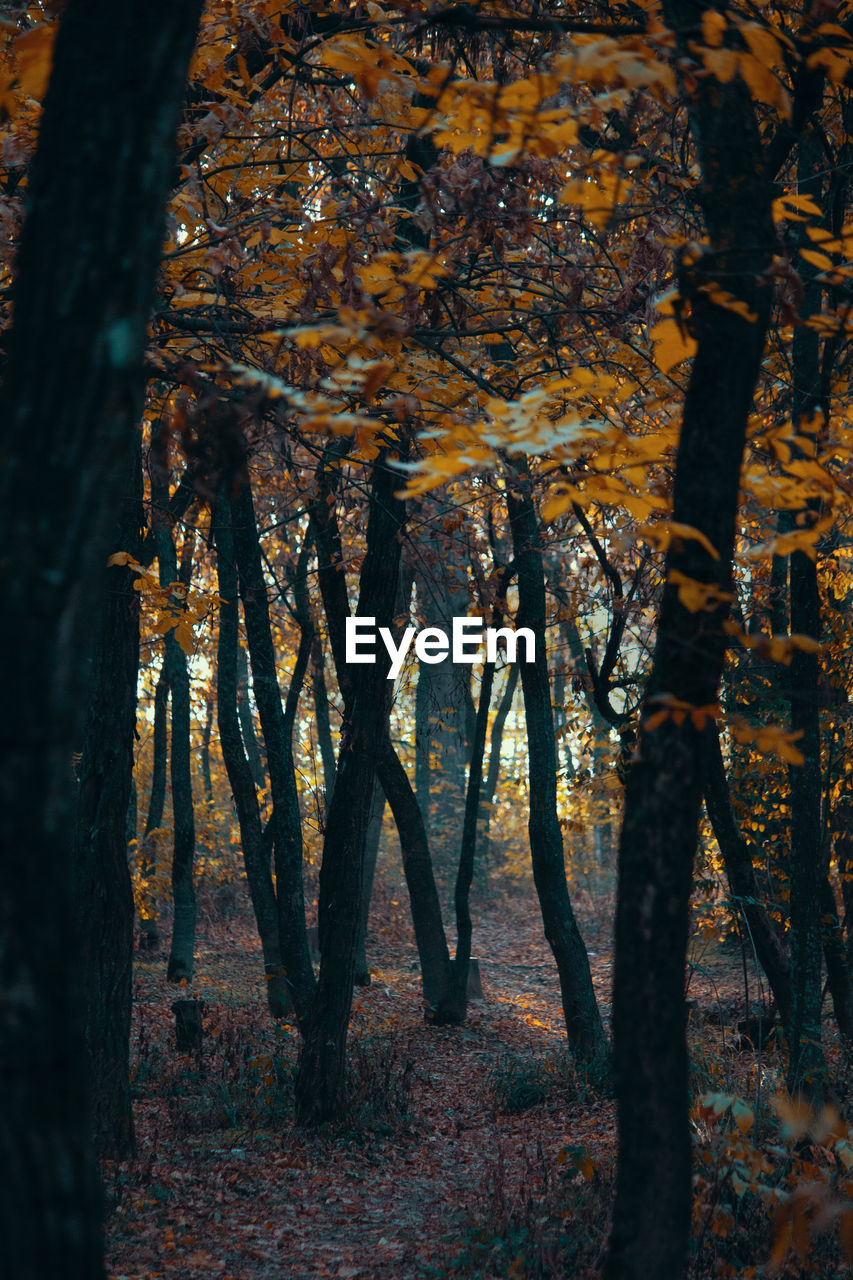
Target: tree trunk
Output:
{"points": [[205, 753], [320, 1087], [103, 895], [583, 1020], [806, 1065], [69, 404], [495, 744], [371, 853], [286, 820], [423, 892], [467, 854], [237, 765], [837, 967], [321, 715], [664, 788], [182, 949], [737, 857], [149, 936], [247, 724]]}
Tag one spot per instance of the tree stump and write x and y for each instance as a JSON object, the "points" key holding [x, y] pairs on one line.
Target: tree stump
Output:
{"points": [[188, 1025], [475, 982]]}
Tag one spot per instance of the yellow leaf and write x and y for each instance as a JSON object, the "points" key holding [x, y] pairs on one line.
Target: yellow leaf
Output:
{"points": [[819, 260], [795, 208], [661, 533], [696, 595], [34, 55], [722, 63], [672, 344], [713, 28]]}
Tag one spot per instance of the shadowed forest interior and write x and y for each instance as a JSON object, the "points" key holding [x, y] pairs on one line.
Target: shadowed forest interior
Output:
{"points": [[417, 954]]}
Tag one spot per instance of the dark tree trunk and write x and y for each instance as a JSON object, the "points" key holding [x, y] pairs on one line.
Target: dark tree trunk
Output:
{"points": [[583, 1020], [182, 949], [132, 820], [424, 701], [321, 1075], [467, 854], [149, 937], [806, 1065], [205, 753], [103, 896], [321, 714], [664, 788], [371, 853], [286, 820], [237, 765], [69, 404], [495, 743], [420, 881], [737, 857], [247, 724], [837, 967]]}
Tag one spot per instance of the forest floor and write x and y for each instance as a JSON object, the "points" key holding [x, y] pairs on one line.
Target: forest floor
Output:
{"points": [[460, 1137]]}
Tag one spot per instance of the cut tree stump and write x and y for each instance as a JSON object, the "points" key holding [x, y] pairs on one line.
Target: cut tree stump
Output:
{"points": [[188, 1025]]}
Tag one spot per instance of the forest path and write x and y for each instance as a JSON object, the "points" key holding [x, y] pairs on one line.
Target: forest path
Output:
{"points": [[224, 1186]]}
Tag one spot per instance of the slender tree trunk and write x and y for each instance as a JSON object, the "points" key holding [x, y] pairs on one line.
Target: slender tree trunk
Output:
{"points": [[465, 874], [737, 857], [837, 967], [103, 896], [149, 937], [69, 404], [182, 948], [371, 853], [205, 753], [237, 765], [583, 1020], [495, 743], [321, 1074], [323, 721], [247, 724], [423, 892], [664, 788], [424, 702], [286, 819], [132, 820]]}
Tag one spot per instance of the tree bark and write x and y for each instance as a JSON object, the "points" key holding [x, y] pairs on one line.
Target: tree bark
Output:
{"points": [[737, 857], [149, 937], [182, 949], [247, 724], [238, 768], [69, 405], [580, 1009], [467, 853], [371, 853], [806, 1064], [423, 892], [205, 753], [286, 820], [103, 895], [664, 787], [324, 726], [495, 744]]}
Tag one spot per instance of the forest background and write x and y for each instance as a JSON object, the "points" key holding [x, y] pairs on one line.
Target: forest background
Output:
{"points": [[540, 315]]}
